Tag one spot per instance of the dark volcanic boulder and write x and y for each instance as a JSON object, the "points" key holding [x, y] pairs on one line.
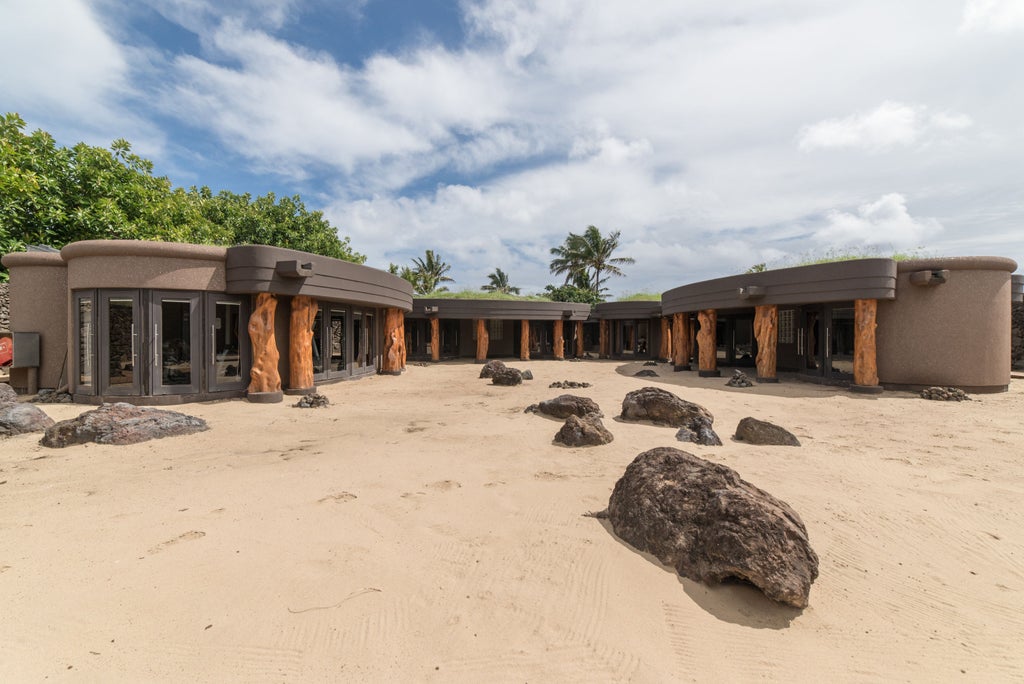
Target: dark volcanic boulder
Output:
{"points": [[490, 368], [664, 408], [566, 405], [17, 419], [711, 525], [527, 374], [645, 373], [121, 423], [585, 431], [507, 376], [757, 431], [7, 394]]}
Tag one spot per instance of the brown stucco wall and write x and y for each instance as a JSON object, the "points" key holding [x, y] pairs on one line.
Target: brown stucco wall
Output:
{"points": [[956, 333], [38, 292], [132, 264]]}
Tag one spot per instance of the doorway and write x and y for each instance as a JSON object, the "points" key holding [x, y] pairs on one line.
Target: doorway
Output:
{"points": [[827, 336]]}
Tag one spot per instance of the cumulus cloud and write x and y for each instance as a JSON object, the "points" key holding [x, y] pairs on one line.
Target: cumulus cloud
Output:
{"points": [[890, 125], [994, 16], [885, 222]]}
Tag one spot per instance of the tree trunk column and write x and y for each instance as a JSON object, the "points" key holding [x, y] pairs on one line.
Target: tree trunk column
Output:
{"points": [[665, 347], [393, 359], [524, 340], [604, 352], [766, 331], [559, 340], [707, 344], [579, 339], [681, 342], [483, 340], [865, 361], [265, 381], [435, 339], [300, 345]]}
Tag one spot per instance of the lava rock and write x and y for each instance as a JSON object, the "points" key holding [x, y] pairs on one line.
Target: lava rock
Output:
{"points": [[664, 408], [650, 363], [491, 367], [645, 373], [566, 405], [18, 419], [49, 396], [121, 423], [708, 523], [568, 384], [527, 374], [7, 394], [315, 400], [507, 376], [585, 431], [739, 379], [756, 431], [944, 394]]}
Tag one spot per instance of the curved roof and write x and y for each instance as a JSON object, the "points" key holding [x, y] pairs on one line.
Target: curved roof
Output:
{"points": [[498, 309], [619, 311], [142, 248]]}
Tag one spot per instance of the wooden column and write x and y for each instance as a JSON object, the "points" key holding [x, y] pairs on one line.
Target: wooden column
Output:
{"points": [[603, 340], [707, 344], [579, 339], [559, 340], [665, 348], [524, 340], [264, 379], [483, 340], [435, 339], [766, 331], [681, 341], [300, 344], [865, 362], [393, 359]]}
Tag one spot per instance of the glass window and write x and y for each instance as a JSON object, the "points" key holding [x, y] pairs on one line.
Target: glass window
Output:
{"points": [[337, 341], [176, 347], [318, 333], [85, 341], [227, 351], [121, 337]]}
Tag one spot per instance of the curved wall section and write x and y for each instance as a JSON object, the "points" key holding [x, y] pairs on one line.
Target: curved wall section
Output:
{"points": [[124, 264], [259, 268], [620, 311], [953, 330], [498, 309], [38, 293]]}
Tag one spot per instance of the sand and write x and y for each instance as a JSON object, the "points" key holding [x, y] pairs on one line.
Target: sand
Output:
{"points": [[423, 528]]}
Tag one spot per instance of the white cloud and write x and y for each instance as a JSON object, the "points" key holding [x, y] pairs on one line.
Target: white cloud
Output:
{"points": [[890, 125], [885, 222], [995, 16]]}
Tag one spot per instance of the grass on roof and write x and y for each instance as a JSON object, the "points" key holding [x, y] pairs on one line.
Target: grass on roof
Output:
{"points": [[480, 294]]}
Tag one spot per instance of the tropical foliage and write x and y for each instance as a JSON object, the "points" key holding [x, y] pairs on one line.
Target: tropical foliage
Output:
{"points": [[499, 282], [572, 293], [584, 258], [426, 275], [52, 195]]}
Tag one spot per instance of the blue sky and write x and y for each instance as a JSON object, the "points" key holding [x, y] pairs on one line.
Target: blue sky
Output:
{"points": [[712, 135]]}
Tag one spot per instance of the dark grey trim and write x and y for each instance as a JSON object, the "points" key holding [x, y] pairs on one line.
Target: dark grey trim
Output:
{"points": [[1017, 288], [834, 282], [254, 268], [622, 311], [497, 309]]}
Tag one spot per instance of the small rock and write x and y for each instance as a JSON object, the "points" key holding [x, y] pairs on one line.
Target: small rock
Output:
{"points": [[650, 363], [585, 431], [490, 368], [527, 374], [566, 405], [7, 394], [739, 379], [569, 384], [756, 431], [18, 419], [507, 376], [49, 396], [645, 373], [315, 400]]}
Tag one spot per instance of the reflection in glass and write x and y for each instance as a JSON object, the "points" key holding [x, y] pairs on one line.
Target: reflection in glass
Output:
{"points": [[85, 342], [176, 352], [842, 333], [367, 345], [121, 350], [227, 318], [337, 341], [318, 333], [357, 339]]}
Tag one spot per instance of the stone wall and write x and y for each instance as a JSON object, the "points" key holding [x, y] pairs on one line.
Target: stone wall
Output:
{"points": [[5, 307], [1017, 337]]}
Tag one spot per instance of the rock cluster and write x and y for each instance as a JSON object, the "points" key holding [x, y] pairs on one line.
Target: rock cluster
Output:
{"points": [[664, 408], [945, 394], [754, 431], [739, 379], [711, 525], [121, 423], [566, 405], [584, 431], [315, 400], [49, 396], [650, 363], [568, 384]]}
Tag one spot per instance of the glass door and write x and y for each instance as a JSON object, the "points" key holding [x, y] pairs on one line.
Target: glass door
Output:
{"points": [[825, 345], [85, 343], [120, 349], [337, 364], [176, 342], [229, 350]]}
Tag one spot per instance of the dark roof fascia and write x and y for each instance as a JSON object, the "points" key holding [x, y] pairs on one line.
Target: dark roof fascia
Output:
{"points": [[621, 311], [832, 282], [260, 268], [497, 309]]}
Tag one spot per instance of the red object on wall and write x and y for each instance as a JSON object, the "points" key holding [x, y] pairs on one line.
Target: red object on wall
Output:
{"points": [[6, 351]]}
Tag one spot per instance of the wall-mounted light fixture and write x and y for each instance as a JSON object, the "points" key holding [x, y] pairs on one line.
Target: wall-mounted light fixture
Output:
{"points": [[929, 278], [750, 292]]}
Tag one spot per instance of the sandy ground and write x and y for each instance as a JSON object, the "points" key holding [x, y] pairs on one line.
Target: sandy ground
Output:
{"points": [[423, 528]]}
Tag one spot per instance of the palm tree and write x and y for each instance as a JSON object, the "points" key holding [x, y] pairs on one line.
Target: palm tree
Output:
{"points": [[584, 258], [499, 283], [430, 272]]}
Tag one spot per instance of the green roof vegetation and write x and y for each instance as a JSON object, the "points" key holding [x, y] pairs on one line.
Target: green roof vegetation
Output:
{"points": [[640, 297], [478, 294]]}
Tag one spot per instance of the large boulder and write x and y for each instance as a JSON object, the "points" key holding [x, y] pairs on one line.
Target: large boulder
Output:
{"points": [[664, 408], [711, 525], [121, 423], [7, 394], [565, 405], [585, 431], [507, 376], [491, 367], [757, 431], [17, 419]]}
